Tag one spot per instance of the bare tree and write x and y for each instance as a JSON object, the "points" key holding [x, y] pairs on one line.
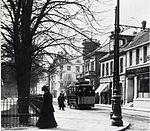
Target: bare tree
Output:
{"points": [[33, 28]]}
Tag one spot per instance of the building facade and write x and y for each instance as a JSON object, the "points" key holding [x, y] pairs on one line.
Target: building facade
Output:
{"points": [[91, 66], [91, 54], [107, 68], [65, 74], [138, 70]]}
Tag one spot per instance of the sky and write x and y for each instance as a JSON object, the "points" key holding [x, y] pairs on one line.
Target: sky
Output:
{"points": [[132, 12], [135, 11]]}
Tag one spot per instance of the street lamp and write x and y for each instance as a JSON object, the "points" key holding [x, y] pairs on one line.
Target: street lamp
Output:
{"points": [[116, 98]]}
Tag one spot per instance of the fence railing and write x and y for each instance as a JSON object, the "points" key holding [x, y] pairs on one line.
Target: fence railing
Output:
{"points": [[10, 115]]}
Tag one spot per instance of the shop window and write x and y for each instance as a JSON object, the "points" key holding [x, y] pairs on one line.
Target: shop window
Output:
{"points": [[145, 54], [137, 56], [130, 58], [143, 90], [121, 65]]}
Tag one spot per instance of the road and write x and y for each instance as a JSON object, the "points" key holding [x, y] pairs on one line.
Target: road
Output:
{"points": [[95, 116], [138, 123]]}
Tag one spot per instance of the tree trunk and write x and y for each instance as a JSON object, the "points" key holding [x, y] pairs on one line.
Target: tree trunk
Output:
{"points": [[24, 61], [23, 69]]}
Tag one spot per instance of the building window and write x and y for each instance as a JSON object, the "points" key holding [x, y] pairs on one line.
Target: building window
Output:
{"points": [[137, 56], [103, 69], [111, 67], [77, 68], [107, 69], [143, 87], [69, 68], [69, 77], [61, 67], [130, 58], [87, 67], [145, 54], [121, 65], [60, 75], [83, 68], [78, 61], [92, 66]]}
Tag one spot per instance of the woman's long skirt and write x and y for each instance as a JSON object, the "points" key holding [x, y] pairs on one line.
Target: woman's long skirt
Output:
{"points": [[46, 122]]}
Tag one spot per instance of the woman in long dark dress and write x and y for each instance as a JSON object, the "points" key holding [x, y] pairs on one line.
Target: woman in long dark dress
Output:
{"points": [[47, 119]]}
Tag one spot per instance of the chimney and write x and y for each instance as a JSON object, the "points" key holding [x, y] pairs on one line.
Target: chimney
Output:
{"points": [[143, 24]]}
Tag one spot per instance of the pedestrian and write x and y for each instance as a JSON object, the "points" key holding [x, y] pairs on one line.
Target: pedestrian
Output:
{"points": [[46, 119], [61, 100]]}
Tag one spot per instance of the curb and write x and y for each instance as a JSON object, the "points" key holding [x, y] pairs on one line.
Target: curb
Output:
{"points": [[126, 127], [128, 110]]}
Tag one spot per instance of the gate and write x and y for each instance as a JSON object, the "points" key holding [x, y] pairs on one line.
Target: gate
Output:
{"points": [[10, 115]]}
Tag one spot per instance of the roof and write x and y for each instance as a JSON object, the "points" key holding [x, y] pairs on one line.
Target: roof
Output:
{"points": [[107, 56], [104, 48], [141, 38], [110, 55]]}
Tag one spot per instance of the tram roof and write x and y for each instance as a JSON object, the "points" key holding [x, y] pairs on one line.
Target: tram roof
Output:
{"points": [[82, 82]]}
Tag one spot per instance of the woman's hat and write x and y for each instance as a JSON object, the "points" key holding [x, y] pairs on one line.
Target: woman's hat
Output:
{"points": [[44, 88]]}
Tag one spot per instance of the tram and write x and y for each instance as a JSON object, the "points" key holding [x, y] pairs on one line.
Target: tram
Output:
{"points": [[81, 95]]}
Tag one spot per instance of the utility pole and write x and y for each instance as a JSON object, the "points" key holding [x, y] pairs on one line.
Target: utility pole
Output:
{"points": [[116, 98]]}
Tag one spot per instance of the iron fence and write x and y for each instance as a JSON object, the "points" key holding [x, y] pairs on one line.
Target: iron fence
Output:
{"points": [[10, 115]]}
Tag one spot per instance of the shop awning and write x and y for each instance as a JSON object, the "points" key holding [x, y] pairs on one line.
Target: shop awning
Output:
{"points": [[102, 88]]}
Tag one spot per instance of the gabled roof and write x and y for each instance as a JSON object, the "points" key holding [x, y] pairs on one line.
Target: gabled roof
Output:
{"points": [[141, 38]]}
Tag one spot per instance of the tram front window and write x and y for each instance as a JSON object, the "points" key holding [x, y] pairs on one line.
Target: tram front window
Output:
{"points": [[87, 91]]}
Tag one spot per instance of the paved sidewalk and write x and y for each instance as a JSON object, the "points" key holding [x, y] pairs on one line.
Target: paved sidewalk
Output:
{"points": [[104, 126], [77, 120]]}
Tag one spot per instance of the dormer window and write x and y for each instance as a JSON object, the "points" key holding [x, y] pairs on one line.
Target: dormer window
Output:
{"points": [[78, 61]]}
